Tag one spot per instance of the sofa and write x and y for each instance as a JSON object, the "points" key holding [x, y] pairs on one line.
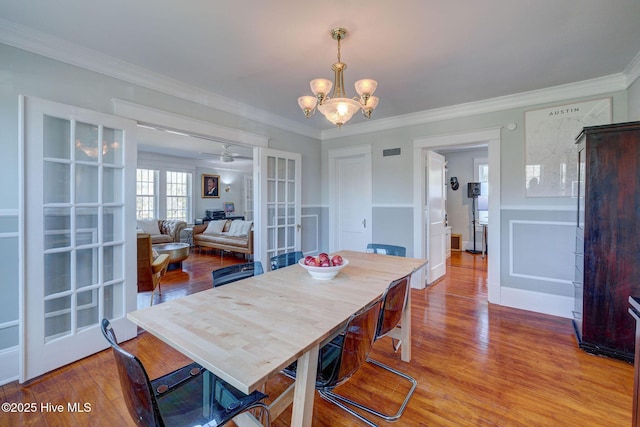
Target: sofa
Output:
{"points": [[162, 230], [228, 235]]}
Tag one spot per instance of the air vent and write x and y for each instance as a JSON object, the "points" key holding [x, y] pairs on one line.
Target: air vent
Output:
{"points": [[391, 152]]}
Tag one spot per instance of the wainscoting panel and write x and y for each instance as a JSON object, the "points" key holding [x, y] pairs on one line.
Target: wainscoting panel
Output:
{"points": [[542, 250], [9, 289], [310, 234]]}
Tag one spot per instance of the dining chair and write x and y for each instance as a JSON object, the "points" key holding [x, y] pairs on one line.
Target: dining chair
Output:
{"points": [[394, 302], [379, 248], [233, 273], [186, 397], [285, 260], [339, 359]]}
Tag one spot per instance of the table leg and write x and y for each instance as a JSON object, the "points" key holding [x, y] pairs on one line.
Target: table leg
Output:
{"points": [[302, 410], [405, 331]]}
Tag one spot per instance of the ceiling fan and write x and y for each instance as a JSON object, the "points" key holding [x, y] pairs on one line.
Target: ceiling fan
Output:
{"points": [[226, 155]]}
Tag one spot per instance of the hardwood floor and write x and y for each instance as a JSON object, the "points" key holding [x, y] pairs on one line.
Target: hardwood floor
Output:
{"points": [[477, 364]]}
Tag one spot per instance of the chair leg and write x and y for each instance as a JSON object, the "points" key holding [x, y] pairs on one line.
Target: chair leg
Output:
{"points": [[387, 417], [336, 400], [264, 413]]}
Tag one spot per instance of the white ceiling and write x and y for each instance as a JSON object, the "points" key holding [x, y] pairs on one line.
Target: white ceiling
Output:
{"points": [[425, 54]]}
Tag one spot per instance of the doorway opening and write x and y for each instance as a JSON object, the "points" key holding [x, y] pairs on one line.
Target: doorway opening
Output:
{"points": [[466, 140]]}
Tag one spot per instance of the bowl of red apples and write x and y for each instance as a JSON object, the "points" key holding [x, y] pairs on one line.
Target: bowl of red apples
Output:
{"points": [[323, 267]]}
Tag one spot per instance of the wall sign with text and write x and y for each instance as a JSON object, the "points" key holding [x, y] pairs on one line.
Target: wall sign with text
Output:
{"points": [[551, 157]]}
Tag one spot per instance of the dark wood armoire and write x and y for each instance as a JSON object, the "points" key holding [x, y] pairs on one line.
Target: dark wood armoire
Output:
{"points": [[607, 238]]}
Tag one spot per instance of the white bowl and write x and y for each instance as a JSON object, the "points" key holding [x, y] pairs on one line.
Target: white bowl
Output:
{"points": [[324, 273]]}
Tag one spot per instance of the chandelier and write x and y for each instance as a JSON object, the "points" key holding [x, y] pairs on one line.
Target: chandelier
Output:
{"points": [[338, 108]]}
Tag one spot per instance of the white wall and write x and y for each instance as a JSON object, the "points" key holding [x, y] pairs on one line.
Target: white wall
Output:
{"points": [[234, 179]]}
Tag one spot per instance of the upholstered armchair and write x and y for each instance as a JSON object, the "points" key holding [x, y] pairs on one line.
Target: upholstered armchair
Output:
{"points": [[162, 230], [150, 269], [171, 227]]}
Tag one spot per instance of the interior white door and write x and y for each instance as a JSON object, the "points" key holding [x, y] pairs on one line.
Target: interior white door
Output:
{"points": [[352, 200], [79, 173], [435, 217], [277, 203]]}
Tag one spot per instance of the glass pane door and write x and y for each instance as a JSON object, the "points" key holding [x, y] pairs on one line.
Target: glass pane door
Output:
{"points": [[76, 205], [279, 204]]}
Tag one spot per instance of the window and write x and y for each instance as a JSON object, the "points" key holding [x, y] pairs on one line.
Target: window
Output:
{"points": [[146, 193], [482, 176], [178, 195], [164, 194]]}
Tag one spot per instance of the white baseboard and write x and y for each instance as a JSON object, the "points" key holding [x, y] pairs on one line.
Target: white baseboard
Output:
{"points": [[9, 363], [538, 302]]}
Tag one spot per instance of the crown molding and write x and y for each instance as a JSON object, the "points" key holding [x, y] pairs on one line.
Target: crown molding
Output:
{"points": [[52, 47], [61, 50], [598, 86], [633, 70]]}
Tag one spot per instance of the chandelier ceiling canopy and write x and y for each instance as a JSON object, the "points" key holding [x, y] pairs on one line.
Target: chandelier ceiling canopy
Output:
{"points": [[338, 108]]}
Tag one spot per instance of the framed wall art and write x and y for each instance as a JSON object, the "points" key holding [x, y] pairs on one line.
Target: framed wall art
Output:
{"points": [[551, 157], [210, 188], [229, 207]]}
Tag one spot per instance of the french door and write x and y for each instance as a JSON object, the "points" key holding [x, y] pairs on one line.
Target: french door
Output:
{"points": [[79, 222], [277, 203]]}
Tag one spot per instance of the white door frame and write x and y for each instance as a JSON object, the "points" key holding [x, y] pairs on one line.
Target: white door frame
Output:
{"points": [[334, 156], [490, 137]]}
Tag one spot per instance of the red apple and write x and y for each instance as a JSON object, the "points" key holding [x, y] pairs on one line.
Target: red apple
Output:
{"points": [[310, 260], [336, 260], [323, 255], [325, 262]]}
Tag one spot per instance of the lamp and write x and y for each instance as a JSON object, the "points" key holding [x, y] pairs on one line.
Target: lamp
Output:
{"points": [[337, 108]]}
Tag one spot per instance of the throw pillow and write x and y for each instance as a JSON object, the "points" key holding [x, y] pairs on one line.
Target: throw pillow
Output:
{"points": [[246, 227], [215, 227], [149, 226], [240, 228], [236, 227]]}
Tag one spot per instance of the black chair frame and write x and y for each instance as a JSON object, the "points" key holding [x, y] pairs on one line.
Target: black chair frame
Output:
{"points": [[394, 302], [233, 273], [285, 260], [172, 399], [342, 357], [379, 248]]}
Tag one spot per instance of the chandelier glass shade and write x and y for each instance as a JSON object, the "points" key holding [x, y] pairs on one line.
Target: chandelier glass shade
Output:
{"points": [[338, 108]]}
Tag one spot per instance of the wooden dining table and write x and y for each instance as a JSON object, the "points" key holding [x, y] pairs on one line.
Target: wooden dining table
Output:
{"points": [[248, 331]]}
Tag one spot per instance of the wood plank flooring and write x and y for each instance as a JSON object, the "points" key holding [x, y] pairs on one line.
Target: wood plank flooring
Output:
{"points": [[477, 364]]}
